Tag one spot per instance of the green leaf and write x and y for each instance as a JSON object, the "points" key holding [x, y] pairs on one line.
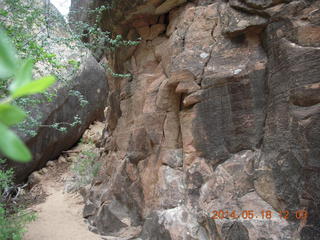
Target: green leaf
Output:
{"points": [[12, 146], [10, 115], [23, 75], [4, 12], [35, 86], [8, 57]]}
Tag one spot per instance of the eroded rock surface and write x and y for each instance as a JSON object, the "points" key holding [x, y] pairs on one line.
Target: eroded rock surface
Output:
{"points": [[221, 113]]}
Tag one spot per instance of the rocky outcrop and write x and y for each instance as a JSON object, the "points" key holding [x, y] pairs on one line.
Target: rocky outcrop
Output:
{"points": [[220, 114]]}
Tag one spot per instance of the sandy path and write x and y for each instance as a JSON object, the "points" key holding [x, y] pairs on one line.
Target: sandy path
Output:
{"points": [[59, 217]]}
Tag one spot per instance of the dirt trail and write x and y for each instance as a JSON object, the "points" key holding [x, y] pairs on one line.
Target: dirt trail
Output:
{"points": [[59, 217], [59, 213]]}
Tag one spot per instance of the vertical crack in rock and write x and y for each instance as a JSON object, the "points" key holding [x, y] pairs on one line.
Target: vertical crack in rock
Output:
{"points": [[205, 65], [222, 114]]}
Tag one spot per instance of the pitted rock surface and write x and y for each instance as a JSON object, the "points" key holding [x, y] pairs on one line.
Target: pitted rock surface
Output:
{"points": [[221, 113]]}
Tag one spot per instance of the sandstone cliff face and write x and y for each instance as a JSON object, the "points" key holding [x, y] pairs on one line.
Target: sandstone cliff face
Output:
{"points": [[221, 113]]}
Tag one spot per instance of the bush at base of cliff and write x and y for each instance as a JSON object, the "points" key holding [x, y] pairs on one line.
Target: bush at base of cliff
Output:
{"points": [[12, 218], [84, 170]]}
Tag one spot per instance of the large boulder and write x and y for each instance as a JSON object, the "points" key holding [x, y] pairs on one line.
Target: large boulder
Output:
{"points": [[76, 100], [49, 142]]}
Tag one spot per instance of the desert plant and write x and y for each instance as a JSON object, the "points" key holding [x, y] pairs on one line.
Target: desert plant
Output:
{"points": [[85, 169]]}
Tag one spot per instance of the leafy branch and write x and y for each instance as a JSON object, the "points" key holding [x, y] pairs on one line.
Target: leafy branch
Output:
{"points": [[19, 73]]}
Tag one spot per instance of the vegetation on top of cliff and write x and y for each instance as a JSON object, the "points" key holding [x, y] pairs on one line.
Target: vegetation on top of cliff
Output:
{"points": [[96, 39]]}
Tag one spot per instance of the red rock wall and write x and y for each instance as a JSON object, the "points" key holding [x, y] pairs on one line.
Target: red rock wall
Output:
{"points": [[221, 113]]}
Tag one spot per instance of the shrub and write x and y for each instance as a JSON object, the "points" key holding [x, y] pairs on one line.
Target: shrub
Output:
{"points": [[84, 169], [12, 226], [12, 219]]}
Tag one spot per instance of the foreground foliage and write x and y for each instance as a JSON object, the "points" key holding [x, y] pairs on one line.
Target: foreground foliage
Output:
{"points": [[19, 74]]}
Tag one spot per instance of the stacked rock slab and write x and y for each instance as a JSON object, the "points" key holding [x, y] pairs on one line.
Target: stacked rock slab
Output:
{"points": [[221, 113]]}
